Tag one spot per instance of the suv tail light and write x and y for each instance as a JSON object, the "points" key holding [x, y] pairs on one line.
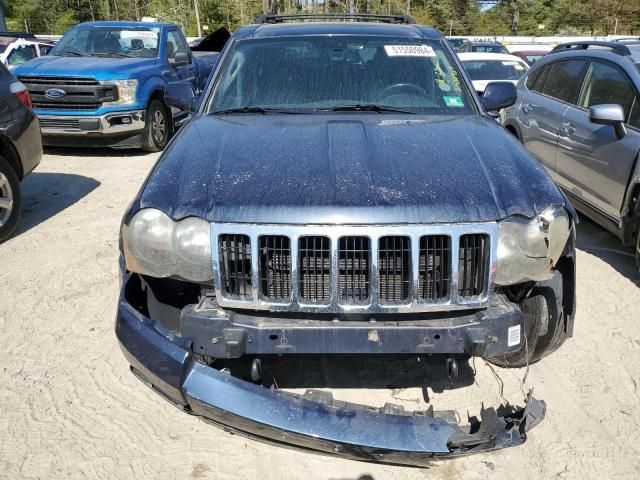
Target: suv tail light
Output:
{"points": [[20, 91]]}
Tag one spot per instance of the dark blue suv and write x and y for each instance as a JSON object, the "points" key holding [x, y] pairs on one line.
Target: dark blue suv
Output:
{"points": [[341, 190]]}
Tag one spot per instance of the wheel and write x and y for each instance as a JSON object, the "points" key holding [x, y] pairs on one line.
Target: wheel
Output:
{"points": [[544, 327], [157, 127], [10, 200]]}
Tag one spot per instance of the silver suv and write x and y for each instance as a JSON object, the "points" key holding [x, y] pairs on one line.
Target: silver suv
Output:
{"points": [[578, 112]]}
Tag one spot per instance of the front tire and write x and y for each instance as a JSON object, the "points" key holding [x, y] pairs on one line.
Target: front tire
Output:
{"points": [[10, 200], [157, 127]]}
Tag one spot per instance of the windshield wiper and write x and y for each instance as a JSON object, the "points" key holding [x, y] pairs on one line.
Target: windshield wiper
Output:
{"points": [[111, 54], [368, 107], [261, 110], [69, 53]]}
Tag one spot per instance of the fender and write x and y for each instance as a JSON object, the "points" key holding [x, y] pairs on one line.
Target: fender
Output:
{"points": [[149, 86]]}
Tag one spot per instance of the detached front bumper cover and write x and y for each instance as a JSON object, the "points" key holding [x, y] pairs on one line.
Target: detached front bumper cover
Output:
{"points": [[313, 421]]}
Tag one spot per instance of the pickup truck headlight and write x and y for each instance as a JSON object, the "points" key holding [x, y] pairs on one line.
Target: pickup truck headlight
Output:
{"points": [[528, 249], [126, 91], [157, 246]]}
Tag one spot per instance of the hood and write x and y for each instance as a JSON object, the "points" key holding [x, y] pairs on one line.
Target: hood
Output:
{"points": [[94, 67], [347, 169]]}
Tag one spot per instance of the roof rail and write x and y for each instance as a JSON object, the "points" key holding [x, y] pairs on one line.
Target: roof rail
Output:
{"points": [[618, 48], [354, 17]]}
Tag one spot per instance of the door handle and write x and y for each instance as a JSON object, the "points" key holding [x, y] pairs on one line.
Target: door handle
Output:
{"points": [[568, 128], [527, 108]]}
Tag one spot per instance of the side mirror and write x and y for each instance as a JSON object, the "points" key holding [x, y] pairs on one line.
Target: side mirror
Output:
{"points": [[179, 59], [499, 95], [181, 96], [609, 114]]}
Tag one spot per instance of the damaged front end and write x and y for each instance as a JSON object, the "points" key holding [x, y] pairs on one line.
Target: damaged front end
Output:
{"points": [[168, 362]]}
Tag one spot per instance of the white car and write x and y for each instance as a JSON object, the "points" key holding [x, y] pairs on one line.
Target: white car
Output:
{"points": [[490, 67], [16, 51]]}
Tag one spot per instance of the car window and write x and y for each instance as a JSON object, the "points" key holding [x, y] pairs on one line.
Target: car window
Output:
{"points": [[634, 116], [539, 82], [175, 44], [532, 77], [605, 83], [494, 69], [489, 49], [531, 59], [21, 55], [311, 73], [564, 80], [106, 41], [45, 49]]}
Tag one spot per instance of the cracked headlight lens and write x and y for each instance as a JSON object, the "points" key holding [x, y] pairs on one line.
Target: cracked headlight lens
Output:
{"points": [[126, 91], [157, 246], [529, 249]]}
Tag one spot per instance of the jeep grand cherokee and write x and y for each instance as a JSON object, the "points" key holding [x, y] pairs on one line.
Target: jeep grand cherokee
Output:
{"points": [[342, 190]]}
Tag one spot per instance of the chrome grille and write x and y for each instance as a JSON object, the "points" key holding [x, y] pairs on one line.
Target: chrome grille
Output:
{"points": [[82, 94], [275, 267], [354, 269], [314, 269]]}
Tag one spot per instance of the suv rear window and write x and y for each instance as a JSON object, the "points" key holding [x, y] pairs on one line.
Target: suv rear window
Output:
{"points": [[564, 80]]}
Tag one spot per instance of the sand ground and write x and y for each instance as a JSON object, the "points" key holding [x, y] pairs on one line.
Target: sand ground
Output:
{"points": [[70, 408]]}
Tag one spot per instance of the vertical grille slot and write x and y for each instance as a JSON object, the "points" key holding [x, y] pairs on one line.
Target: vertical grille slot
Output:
{"points": [[275, 267], [354, 254], [235, 265], [473, 264], [434, 269], [314, 269], [394, 257]]}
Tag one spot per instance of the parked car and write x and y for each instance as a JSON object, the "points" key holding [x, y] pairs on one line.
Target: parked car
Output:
{"points": [[457, 42], [484, 68], [483, 47], [104, 84], [17, 48], [341, 190], [530, 56], [627, 40], [20, 148], [578, 112]]}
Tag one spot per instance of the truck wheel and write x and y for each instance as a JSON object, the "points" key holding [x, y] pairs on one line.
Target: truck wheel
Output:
{"points": [[543, 326], [157, 127], [638, 251], [10, 200]]}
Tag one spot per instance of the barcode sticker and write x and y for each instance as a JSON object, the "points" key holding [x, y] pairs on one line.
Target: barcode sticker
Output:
{"points": [[409, 51], [513, 336]]}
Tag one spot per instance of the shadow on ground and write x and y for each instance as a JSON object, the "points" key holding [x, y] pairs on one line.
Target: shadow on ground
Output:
{"points": [[598, 242], [358, 371], [45, 194], [86, 152]]}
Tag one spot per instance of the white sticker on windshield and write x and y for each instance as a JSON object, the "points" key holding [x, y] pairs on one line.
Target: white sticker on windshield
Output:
{"points": [[409, 51], [510, 62]]}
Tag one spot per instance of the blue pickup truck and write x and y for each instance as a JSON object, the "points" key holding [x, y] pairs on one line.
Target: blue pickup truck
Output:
{"points": [[104, 84]]}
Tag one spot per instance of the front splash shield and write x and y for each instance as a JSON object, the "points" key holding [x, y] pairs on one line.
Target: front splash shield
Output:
{"points": [[313, 421]]}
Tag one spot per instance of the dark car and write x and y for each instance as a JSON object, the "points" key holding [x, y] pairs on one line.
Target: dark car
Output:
{"points": [[578, 112], [341, 190], [530, 56], [20, 148], [483, 47]]}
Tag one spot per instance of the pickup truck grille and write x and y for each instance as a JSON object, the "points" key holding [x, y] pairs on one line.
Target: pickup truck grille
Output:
{"points": [[84, 94], [353, 269]]}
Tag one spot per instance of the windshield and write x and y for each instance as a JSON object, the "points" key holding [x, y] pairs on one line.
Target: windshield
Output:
{"points": [[340, 72], [533, 58], [139, 42], [494, 69], [489, 49]]}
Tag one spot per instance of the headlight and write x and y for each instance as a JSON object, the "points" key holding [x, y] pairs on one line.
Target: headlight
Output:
{"points": [[157, 246], [528, 249], [126, 91]]}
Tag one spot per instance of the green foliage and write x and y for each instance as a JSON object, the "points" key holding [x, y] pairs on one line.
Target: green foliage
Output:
{"points": [[460, 17]]}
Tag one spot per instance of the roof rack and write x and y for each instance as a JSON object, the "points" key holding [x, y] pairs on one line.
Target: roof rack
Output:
{"points": [[354, 17], [618, 48]]}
